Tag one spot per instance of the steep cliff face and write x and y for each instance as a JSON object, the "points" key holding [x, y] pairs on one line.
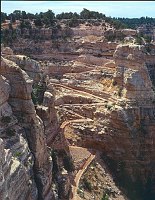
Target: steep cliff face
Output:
{"points": [[16, 159], [23, 108], [132, 72], [30, 66], [47, 113], [136, 84]]}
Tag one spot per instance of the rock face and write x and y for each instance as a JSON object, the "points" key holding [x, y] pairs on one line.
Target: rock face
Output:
{"points": [[85, 31], [147, 30], [132, 74], [137, 88], [30, 66], [121, 124], [6, 50], [23, 109], [15, 157], [48, 115]]}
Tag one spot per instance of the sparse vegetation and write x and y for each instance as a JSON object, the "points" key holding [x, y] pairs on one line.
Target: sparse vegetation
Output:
{"points": [[68, 163], [73, 22], [119, 92], [114, 83], [87, 184], [108, 106], [111, 37], [142, 128], [148, 48], [6, 119], [38, 93], [17, 154], [136, 22], [10, 132], [55, 169], [80, 192], [123, 179], [105, 197], [139, 40]]}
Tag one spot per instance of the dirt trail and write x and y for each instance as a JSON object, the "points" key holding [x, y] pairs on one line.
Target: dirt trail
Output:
{"points": [[75, 114], [86, 164], [78, 176], [83, 104], [102, 96], [79, 90], [64, 124]]}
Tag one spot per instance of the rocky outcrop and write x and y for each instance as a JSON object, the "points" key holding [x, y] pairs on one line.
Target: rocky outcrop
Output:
{"points": [[129, 32], [48, 115], [86, 30], [132, 74], [30, 66], [23, 109], [6, 50], [89, 59]]}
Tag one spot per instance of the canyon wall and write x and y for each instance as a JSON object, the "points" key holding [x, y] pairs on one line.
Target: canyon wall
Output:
{"points": [[19, 99]]}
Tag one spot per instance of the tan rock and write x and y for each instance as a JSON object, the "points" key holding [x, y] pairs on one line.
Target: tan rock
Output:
{"points": [[21, 103], [7, 51]]}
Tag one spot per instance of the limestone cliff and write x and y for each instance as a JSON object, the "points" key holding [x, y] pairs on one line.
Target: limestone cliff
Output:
{"points": [[15, 156], [33, 131]]}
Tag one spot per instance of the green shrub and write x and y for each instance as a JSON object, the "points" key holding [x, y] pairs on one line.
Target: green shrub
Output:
{"points": [[148, 48], [73, 22], [68, 163], [119, 92], [105, 197], [17, 154], [10, 132], [139, 40], [114, 82], [87, 185], [80, 192], [111, 38], [147, 38], [55, 168], [108, 106], [37, 94], [142, 128], [6, 119]]}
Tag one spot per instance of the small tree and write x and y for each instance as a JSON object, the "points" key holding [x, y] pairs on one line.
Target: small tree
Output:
{"points": [[17, 14], [73, 22], [25, 24], [139, 40], [68, 163], [3, 17], [87, 185], [38, 22], [10, 26], [24, 15]]}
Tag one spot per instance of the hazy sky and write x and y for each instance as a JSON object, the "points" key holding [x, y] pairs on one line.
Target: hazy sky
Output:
{"points": [[109, 8]]}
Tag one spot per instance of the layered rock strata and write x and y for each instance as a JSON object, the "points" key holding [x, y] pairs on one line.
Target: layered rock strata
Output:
{"points": [[23, 109], [16, 159], [127, 115]]}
